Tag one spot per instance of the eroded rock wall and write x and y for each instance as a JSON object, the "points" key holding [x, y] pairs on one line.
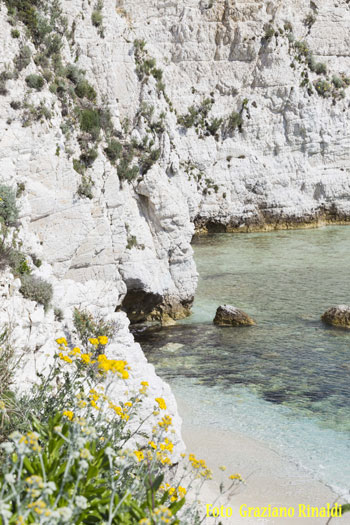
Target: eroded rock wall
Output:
{"points": [[285, 163], [238, 113]]}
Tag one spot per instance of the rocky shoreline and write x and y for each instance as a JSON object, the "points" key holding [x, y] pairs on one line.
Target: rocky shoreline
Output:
{"points": [[122, 139]]}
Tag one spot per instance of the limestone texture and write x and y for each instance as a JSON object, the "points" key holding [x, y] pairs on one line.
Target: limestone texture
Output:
{"points": [[228, 315], [238, 117]]}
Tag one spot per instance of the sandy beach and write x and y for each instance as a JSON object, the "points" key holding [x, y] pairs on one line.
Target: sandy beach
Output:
{"points": [[270, 479]]}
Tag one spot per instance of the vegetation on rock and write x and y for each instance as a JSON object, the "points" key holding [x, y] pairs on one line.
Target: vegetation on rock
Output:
{"points": [[74, 453]]}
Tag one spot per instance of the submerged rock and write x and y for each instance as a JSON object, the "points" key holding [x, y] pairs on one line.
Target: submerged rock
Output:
{"points": [[227, 315], [337, 316]]}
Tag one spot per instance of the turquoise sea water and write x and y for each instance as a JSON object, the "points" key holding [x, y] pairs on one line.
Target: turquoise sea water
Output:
{"points": [[287, 380]]}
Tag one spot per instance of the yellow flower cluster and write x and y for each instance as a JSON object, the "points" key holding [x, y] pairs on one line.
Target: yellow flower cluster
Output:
{"points": [[37, 480], [165, 422], [121, 412], [144, 386], [161, 403], [36, 485], [69, 414], [167, 445], [200, 465], [31, 439], [65, 358], [39, 507], [113, 365], [162, 514], [62, 341], [174, 493], [75, 351], [81, 399], [86, 358], [163, 458], [102, 340], [139, 454], [238, 477]]}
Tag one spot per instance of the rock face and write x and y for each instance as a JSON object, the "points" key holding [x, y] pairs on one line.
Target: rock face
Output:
{"points": [[227, 315], [337, 316], [33, 333], [248, 109], [235, 116]]}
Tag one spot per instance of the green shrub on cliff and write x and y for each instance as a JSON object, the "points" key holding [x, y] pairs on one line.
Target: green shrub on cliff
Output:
{"points": [[35, 82], [86, 326], [22, 60], [36, 289], [90, 121], [8, 207], [113, 150], [84, 89], [323, 88]]}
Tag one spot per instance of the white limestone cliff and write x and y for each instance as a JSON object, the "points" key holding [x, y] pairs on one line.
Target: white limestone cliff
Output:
{"points": [[285, 162]]}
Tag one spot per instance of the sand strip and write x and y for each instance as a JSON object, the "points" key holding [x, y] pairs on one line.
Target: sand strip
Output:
{"points": [[270, 479]]}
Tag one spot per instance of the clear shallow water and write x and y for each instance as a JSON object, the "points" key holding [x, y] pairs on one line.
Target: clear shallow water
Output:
{"points": [[287, 380]]}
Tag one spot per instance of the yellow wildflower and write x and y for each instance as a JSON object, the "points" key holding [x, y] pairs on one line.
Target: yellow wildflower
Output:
{"points": [[144, 386], [103, 339], [139, 454], [62, 341], [112, 365], [236, 476], [69, 414], [167, 445], [165, 422], [65, 358], [86, 358], [182, 491], [31, 439], [152, 444], [93, 341], [161, 403], [75, 351]]}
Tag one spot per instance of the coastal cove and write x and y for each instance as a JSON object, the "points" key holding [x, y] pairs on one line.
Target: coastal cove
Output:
{"points": [[285, 381]]}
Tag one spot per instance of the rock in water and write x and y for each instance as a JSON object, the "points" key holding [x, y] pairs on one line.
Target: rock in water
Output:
{"points": [[227, 315], [337, 316]]}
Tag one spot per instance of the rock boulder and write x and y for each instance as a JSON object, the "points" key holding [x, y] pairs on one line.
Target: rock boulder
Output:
{"points": [[227, 315], [337, 316]]}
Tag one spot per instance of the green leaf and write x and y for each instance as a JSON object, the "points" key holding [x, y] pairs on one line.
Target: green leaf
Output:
{"points": [[27, 464], [156, 483], [345, 508], [176, 506]]}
